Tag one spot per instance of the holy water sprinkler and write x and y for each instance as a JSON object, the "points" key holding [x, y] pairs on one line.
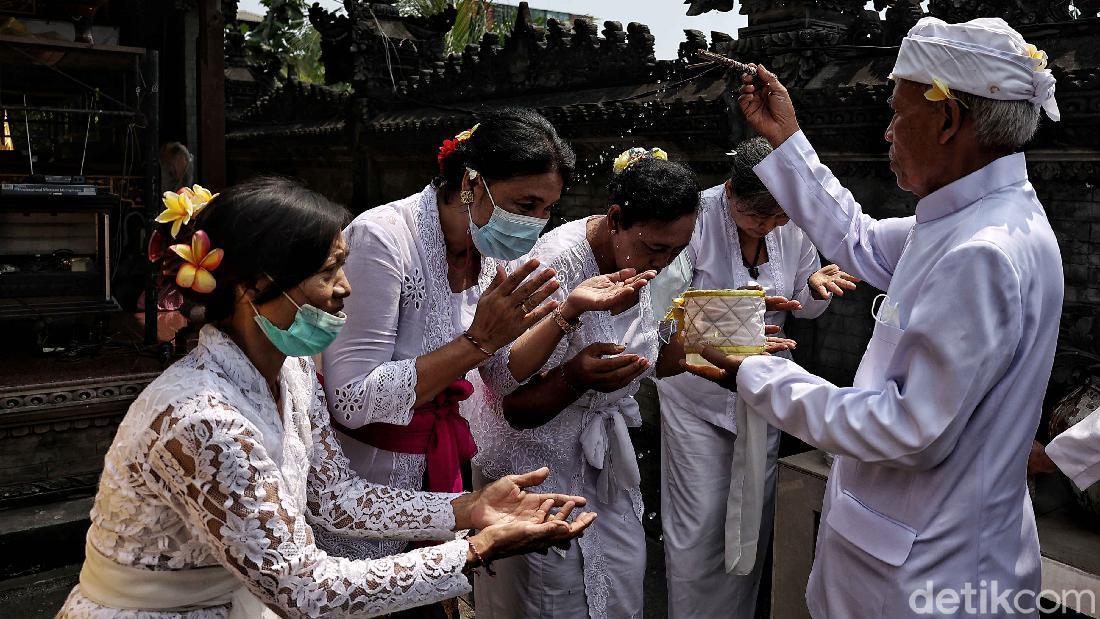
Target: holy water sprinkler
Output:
{"points": [[711, 58]]}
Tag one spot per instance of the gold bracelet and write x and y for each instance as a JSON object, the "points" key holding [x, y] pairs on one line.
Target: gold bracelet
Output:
{"points": [[564, 324], [477, 344]]}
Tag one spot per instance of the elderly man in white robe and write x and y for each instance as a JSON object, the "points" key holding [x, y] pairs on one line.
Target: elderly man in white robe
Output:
{"points": [[928, 493]]}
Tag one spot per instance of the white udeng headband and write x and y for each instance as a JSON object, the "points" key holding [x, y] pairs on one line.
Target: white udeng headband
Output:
{"points": [[984, 57]]}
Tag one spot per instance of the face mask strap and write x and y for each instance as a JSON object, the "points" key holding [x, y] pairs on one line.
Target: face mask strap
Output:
{"points": [[283, 292], [485, 184]]}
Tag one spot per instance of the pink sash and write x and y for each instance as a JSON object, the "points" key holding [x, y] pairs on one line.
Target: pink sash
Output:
{"points": [[437, 430]]}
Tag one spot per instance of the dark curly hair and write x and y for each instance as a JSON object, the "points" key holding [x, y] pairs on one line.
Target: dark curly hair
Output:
{"points": [[654, 189], [509, 142], [745, 184], [267, 226]]}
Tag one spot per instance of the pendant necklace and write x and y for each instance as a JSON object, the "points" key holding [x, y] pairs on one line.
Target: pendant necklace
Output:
{"points": [[754, 268]]}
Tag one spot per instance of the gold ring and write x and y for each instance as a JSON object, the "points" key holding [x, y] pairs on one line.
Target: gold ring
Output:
{"points": [[524, 306]]}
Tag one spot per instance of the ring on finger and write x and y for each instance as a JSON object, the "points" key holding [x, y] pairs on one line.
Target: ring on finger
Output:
{"points": [[526, 309]]}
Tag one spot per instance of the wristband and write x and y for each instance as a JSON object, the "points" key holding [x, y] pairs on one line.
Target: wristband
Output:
{"points": [[481, 559], [473, 340], [566, 327]]}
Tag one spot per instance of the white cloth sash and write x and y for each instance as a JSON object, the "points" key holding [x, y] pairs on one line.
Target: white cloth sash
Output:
{"points": [[607, 447], [110, 584], [745, 504]]}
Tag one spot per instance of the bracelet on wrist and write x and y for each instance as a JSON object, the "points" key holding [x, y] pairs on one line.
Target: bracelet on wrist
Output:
{"points": [[480, 559], [477, 344], [577, 390], [563, 324]]}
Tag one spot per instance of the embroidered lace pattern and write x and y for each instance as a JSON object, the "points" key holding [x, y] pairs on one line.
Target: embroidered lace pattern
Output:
{"points": [[204, 471], [503, 450], [413, 290], [388, 394]]}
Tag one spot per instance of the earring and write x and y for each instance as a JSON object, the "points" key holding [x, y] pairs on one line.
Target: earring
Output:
{"points": [[466, 197]]}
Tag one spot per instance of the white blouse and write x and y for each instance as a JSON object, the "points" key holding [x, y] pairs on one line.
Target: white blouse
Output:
{"points": [[714, 259], [206, 470], [401, 307], [589, 437]]}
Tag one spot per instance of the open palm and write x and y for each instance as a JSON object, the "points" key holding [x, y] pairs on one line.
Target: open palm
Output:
{"points": [[507, 500], [608, 292]]}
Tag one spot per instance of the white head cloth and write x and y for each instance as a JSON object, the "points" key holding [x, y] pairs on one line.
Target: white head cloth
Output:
{"points": [[984, 57]]}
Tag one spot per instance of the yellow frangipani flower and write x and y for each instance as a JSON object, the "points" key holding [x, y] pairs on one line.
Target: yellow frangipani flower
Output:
{"points": [[621, 162], [467, 134], [200, 196], [940, 91], [1037, 54], [178, 210], [199, 260], [629, 156]]}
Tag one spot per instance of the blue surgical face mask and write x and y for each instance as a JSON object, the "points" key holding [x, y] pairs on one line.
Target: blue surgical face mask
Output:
{"points": [[310, 334], [505, 236]]}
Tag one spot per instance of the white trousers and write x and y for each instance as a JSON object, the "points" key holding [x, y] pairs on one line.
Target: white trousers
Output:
{"points": [[695, 482]]}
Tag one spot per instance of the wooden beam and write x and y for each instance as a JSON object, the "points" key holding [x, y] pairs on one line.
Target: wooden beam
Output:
{"points": [[211, 104]]}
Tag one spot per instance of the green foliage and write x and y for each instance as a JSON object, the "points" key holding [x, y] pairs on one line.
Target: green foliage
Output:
{"points": [[285, 43], [471, 22]]}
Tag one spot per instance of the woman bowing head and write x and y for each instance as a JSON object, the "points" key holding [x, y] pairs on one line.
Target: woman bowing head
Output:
{"points": [[563, 394]]}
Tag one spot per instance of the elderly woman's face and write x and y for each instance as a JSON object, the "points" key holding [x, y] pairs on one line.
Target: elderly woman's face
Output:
{"points": [[756, 216], [327, 288], [649, 245], [913, 135]]}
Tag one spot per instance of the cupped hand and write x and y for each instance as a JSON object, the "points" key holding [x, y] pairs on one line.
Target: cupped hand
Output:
{"points": [[512, 304], [535, 531], [773, 345], [605, 292], [767, 106], [831, 280], [725, 368], [506, 500], [776, 303], [781, 304], [592, 368]]}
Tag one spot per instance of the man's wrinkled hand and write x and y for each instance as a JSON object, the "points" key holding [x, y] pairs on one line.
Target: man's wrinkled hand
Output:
{"points": [[725, 371]]}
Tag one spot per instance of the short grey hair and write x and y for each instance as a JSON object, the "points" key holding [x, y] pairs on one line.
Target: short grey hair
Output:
{"points": [[1002, 124]]}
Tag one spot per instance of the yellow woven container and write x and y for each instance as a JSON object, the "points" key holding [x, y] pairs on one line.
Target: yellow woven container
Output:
{"points": [[731, 321]]}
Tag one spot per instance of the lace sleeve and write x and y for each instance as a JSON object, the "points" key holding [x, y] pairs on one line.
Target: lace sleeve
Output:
{"points": [[386, 395], [220, 478], [365, 382], [496, 375], [344, 503]]}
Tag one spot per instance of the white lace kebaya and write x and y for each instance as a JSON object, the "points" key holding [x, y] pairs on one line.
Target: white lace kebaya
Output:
{"points": [[589, 453], [402, 308], [207, 470]]}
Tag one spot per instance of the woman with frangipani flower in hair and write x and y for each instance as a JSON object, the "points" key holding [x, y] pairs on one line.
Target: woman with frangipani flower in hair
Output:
{"points": [[434, 303], [226, 466]]}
